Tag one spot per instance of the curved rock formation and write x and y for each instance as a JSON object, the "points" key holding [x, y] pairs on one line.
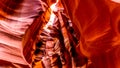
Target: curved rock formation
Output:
{"points": [[98, 22]]}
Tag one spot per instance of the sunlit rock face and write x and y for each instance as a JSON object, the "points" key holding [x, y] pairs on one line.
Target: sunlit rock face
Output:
{"points": [[117, 1], [15, 17], [98, 22]]}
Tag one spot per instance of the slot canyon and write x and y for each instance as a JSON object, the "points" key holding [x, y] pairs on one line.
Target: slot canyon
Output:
{"points": [[59, 33]]}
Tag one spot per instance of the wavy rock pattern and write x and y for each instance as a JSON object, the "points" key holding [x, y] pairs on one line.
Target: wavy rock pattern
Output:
{"points": [[98, 22]]}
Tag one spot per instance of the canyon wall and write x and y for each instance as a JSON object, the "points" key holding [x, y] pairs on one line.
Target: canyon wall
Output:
{"points": [[98, 23]]}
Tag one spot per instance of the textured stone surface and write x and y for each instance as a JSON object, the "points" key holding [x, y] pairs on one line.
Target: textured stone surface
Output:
{"points": [[98, 22], [15, 17]]}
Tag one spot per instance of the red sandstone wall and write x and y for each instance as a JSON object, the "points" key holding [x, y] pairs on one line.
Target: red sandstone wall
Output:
{"points": [[99, 24]]}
